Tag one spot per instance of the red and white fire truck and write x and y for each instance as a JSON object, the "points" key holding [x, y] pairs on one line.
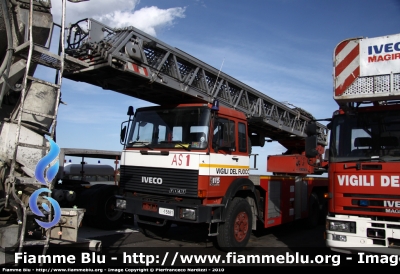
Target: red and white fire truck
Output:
{"points": [[364, 151], [187, 160]]}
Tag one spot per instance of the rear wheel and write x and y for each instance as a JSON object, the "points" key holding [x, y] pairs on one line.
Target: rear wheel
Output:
{"points": [[235, 232]]}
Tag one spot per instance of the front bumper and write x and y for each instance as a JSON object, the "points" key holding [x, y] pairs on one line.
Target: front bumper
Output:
{"points": [[172, 211], [381, 237]]}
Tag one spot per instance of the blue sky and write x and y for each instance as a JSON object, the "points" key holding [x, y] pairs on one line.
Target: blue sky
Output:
{"points": [[282, 48]]}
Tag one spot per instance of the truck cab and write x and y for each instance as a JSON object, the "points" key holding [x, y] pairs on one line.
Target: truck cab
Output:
{"points": [[190, 164], [364, 150], [185, 163]]}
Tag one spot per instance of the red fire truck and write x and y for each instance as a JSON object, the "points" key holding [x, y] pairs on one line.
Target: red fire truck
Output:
{"points": [[187, 160], [364, 151]]}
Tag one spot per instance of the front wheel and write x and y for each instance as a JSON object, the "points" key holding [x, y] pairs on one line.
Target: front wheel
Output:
{"points": [[234, 233]]}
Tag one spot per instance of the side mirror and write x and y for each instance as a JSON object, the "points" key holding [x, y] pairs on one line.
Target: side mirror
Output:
{"points": [[123, 134], [311, 129]]}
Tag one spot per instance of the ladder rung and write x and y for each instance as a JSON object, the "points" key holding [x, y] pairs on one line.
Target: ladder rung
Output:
{"points": [[44, 82], [38, 114], [44, 57], [28, 126], [29, 181], [215, 233], [30, 213], [31, 146], [35, 242], [216, 221]]}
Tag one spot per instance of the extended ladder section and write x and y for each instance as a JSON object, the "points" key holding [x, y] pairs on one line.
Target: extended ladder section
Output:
{"points": [[136, 64], [367, 70]]}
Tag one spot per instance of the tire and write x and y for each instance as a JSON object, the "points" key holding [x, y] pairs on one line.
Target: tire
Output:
{"points": [[313, 218], [154, 231], [234, 233], [107, 217]]}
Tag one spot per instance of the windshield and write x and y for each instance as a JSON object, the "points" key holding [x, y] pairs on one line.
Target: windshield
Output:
{"points": [[365, 136], [186, 128]]}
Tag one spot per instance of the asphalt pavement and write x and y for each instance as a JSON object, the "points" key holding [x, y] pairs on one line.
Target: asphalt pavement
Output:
{"points": [[293, 238]]}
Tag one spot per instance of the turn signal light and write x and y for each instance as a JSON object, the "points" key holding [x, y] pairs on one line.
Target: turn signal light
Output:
{"points": [[202, 193]]}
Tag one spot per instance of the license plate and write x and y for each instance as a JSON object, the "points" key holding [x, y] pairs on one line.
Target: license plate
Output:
{"points": [[166, 211], [149, 207]]}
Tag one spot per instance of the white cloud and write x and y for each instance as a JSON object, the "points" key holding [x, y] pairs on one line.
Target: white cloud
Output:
{"points": [[147, 19], [120, 13], [92, 8]]}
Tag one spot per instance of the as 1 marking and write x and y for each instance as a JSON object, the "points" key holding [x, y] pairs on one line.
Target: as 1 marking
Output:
{"points": [[179, 160]]}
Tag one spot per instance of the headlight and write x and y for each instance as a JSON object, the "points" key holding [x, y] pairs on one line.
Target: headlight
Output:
{"points": [[340, 238], [187, 213], [349, 227], [121, 204]]}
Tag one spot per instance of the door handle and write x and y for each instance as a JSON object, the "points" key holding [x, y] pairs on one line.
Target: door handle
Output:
{"points": [[235, 159]]}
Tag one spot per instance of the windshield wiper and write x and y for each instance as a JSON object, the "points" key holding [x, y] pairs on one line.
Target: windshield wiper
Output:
{"points": [[187, 147], [355, 160], [385, 159], [389, 158], [146, 144], [358, 162], [177, 143]]}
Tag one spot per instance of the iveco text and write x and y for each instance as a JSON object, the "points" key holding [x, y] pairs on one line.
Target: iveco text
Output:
{"points": [[152, 180]]}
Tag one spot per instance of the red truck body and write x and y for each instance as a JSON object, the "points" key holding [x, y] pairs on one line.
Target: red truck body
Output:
{"points": [[364, 151]]}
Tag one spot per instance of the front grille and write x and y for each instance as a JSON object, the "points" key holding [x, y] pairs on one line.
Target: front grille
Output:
{"points": [[372, 203], [152, 198], [175, 182], [375, 196]]}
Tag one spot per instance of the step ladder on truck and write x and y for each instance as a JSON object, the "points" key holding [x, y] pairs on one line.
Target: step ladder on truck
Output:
{"points": [[364, 151], [29, 108], [186, 161]]}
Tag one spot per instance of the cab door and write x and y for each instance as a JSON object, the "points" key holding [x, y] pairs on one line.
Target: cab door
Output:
{"points": [[229, 158]]}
